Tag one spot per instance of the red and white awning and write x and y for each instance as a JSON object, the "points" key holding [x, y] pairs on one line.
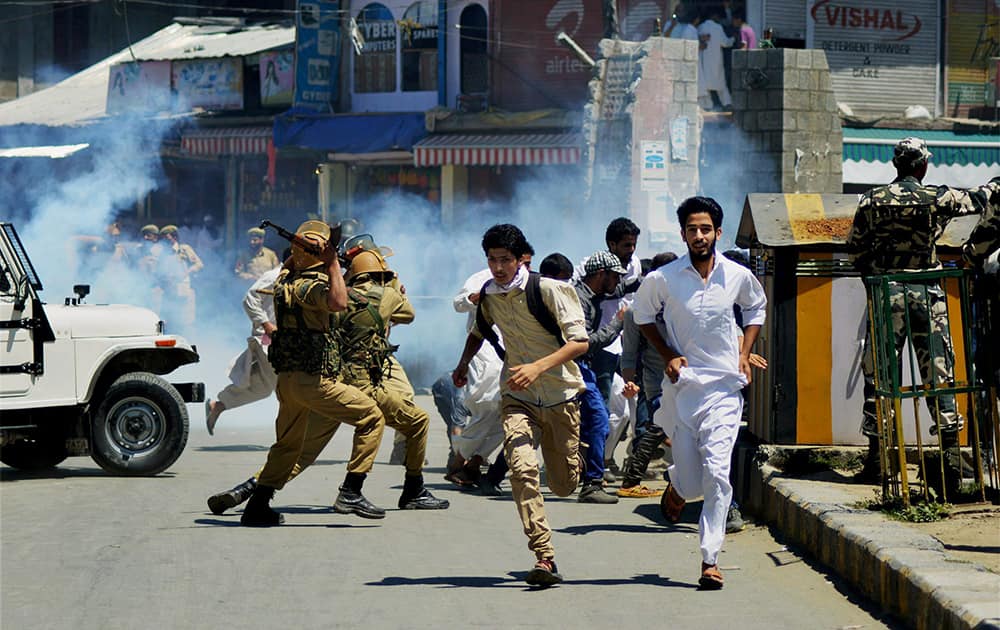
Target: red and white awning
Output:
{"points": [[498, 149], [227, 141]]}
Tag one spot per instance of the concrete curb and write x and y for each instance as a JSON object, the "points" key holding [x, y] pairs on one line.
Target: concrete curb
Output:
{"points": [[907, 572]]}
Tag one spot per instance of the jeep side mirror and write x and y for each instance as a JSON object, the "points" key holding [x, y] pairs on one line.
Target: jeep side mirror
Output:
{"points": [[82, 291]]}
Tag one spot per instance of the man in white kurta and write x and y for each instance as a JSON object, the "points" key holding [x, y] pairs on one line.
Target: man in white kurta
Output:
{"points": [[251, 376], [711, 68], [706, 366]]}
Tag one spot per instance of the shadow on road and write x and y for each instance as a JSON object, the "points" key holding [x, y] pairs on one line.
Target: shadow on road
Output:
{"points": [[12, 474], [651, 511], [218, 522], [579, 530], [233, 448], [516, 580]]}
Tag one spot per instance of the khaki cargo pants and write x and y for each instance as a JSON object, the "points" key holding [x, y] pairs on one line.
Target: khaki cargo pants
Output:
{"points": [[310, 403], [557, 430], [400, 412]]}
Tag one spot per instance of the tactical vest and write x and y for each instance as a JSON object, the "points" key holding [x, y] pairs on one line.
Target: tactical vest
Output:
{"points": [[904, 229], [294, 346], [363, 335]]}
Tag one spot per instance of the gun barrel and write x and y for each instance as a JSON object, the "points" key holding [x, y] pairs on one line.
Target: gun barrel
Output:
{"points": [[292, 237]]}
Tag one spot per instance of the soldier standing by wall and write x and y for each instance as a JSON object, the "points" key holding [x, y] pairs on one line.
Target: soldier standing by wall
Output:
{"points": [[895, 230]]}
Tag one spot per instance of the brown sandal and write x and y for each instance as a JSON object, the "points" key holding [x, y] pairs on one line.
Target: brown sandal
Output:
{"points": [[711, 578], [671, 504]]}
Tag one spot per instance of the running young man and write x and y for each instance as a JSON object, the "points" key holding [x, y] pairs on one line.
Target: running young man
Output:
{"points": [[706, 367], [539, 386]]}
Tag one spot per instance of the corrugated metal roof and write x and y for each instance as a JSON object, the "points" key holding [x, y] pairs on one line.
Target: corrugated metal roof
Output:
{"points": [[809, 220], [949, 148], [83, 97]]}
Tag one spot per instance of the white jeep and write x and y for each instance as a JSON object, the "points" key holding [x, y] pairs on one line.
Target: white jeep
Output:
{"points": [[79, 379]]}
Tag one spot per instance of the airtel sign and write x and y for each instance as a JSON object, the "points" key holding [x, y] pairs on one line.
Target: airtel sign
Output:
{"points": [[888, 21]]}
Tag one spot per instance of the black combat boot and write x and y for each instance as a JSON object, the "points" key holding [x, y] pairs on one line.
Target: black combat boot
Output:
{"points": [[954, 468], [635, 468], [871, 471], [258, 512], [416, 497], [236, 495], [351, 501]]}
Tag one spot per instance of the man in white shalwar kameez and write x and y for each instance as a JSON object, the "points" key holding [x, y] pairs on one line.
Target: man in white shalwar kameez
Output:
{"points": [[706, 366], [251, 376], [711, 67]]}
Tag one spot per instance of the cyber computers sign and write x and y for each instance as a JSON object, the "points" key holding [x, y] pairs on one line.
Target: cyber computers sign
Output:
{"points": [[317, 54]]}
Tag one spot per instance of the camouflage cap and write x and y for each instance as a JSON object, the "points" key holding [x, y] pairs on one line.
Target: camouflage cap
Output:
{"points": [[168, 229], [910, 151], [149, 229]]}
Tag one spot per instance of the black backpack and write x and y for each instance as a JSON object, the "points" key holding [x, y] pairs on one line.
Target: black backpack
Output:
{"points": [[533, 295]]}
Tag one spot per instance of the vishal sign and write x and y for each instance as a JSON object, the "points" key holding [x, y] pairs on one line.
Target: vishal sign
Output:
{"points": [[883, 54]]}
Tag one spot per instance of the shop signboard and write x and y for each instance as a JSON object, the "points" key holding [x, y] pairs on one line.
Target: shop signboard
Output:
{"points": [[531, 69], [139, 86], [317, 54], [277, 77], [883, 55], [208, 83], [972, 50]]}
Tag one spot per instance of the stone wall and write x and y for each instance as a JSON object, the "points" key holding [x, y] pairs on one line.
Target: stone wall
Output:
{"points": [[783, 100], [643, 92]]}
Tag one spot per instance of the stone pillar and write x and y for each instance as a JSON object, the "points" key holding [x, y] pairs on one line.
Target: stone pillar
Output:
{"points": [[783, 100], [454, 193], [644, 104]]}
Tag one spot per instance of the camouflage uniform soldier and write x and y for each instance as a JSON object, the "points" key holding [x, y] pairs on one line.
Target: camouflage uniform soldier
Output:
{"points": [[180, 297], [305, 353], [895, 230], [985, 238], [256, 259]]}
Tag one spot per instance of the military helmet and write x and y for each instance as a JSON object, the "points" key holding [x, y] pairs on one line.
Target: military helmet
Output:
{"points": [[910, 152], [315, 231], [368, 261], [150, 229], [168, 229]]}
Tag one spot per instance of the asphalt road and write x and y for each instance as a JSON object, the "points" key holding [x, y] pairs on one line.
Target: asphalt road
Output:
{"points": [[82, 550]]}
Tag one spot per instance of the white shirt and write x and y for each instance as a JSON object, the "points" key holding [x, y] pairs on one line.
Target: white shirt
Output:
{"points": [[684, 30], [259, 306], [711, 72], [461, 302], [698, 315]]}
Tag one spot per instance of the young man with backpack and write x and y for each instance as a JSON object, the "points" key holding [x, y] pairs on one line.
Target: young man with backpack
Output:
{"points": [[539, 386]]}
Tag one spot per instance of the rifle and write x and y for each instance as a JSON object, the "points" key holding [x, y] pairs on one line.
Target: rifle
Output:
{"points": [[307, 246]]}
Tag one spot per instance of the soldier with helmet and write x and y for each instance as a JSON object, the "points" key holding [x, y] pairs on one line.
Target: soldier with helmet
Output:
{"points": [[305, 353], [375, 303], [895, 230], [257, 258]]}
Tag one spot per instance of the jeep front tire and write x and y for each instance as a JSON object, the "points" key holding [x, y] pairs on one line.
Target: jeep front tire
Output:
{"points": [[141, 426]]}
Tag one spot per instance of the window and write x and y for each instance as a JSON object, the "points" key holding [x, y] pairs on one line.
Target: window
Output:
{"points": [[419, 40], [472, 48], [375, 67]]}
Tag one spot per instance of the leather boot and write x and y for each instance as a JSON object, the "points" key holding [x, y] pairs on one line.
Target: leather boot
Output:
{"points": [[954, 468], [236, 495], [258, 512], [871, 471], [636, 467]]}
